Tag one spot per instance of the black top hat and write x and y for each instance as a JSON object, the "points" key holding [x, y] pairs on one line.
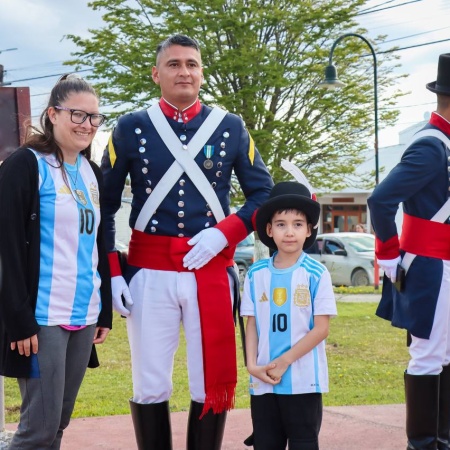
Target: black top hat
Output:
{"points": [[287, 195], [442, 83]]}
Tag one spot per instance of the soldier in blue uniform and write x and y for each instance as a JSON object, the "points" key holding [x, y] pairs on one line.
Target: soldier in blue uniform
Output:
{"points": [[421, 181], [180, 155]]}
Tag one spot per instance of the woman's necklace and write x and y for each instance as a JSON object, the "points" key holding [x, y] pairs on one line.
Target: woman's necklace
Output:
{"points": [[79, 194], [74, 181]]}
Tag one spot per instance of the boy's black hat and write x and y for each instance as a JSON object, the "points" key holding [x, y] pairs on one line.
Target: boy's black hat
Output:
{"points": [[442, 84], [287, 195]]}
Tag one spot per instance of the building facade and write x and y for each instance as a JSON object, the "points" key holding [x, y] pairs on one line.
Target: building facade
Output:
{"points": [[341, 211]]}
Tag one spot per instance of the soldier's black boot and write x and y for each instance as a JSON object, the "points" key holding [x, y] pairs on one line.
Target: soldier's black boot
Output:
{"points": [[152, 425], [205, 433], [444, 409], [422, 405]]}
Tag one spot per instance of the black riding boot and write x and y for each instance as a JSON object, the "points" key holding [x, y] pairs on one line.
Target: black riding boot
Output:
{"points": [[207, 433], [422, 404], [444, 409], [152, 425]]}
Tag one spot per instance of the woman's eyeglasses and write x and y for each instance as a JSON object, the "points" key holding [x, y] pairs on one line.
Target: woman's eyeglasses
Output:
{"points": [[77, 116]]}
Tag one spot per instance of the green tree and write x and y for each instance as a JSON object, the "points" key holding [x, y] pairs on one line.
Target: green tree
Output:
{"points": [[263, 60]]}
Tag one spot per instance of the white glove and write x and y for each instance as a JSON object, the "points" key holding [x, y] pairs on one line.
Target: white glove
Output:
{"points": [[119, 287], [390, 267], [207, 244]]}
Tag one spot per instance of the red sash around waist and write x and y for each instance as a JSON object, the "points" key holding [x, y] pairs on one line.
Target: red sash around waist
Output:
{"points": [[425, 237], [214, 302]]}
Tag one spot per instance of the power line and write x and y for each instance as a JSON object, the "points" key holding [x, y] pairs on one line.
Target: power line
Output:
{"points": [[408, 106], [414, 35], [388, 7], [414, 16], [38, 95], [44, 65], [49, 76], [376, 6], [414, 46]]}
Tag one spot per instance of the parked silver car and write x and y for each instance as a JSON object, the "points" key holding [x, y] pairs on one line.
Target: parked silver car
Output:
{"points": [[349, 257], [244, 256]]}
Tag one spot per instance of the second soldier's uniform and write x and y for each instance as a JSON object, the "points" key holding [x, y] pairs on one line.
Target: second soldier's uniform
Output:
{"points": [[422, 306]]}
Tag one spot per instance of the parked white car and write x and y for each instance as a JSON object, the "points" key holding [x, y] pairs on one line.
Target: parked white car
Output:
{"points": [[348, 256]]}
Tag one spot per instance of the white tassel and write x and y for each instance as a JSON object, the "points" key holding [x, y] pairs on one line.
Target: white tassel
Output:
{"points": [[296, 173], [300, 177]]}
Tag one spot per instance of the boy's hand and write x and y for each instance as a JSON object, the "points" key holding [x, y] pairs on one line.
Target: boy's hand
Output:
{"points": [[262, 373], [279, 368]]}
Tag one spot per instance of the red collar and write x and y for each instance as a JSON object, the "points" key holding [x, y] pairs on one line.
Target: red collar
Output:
{"points": [[174, 113], [438, 121]]}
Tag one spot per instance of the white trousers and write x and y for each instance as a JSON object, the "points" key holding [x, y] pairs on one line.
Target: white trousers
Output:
{"points": [[162, 301], [429, 355]]}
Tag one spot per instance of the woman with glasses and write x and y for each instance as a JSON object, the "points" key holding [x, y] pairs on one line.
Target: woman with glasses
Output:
{"points": [[55, 293]]}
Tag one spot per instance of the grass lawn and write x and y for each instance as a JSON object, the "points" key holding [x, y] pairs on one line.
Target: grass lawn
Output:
{"points": [[366, 358]]}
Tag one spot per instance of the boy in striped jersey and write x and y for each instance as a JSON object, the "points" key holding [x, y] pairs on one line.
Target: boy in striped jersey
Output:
{"points": [[288, 301]]}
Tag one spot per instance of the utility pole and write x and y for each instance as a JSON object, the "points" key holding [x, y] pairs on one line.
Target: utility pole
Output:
{"points": [[2, 69], [2, 73]]}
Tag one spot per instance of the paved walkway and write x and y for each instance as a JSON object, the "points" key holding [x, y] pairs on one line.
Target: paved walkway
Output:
{"points": [[379, 427], [343, 428]]}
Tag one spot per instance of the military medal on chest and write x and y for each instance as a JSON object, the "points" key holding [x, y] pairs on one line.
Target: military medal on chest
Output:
{"points": [[208, 150]]}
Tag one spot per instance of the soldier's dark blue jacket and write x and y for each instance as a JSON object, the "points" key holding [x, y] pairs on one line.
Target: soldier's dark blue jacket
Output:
{"points": [[137, 149], [421, 182]]}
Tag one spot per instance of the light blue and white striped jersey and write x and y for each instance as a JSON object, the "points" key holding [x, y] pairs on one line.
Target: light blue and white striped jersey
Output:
{"points": [[284, 303], [69, 284]]}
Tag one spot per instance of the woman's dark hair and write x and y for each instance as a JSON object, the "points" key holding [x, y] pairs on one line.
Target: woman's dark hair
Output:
{"points": [[43, 140]]}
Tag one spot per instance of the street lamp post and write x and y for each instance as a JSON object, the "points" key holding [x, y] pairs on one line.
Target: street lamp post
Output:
{"points": [[332, 82]]}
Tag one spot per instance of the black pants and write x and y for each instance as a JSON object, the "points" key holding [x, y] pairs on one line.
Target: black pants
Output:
{"points": [[286, 419]]}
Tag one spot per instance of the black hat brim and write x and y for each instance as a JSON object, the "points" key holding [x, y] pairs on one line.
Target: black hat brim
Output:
{"points": [[437, 89], [289, 201]]}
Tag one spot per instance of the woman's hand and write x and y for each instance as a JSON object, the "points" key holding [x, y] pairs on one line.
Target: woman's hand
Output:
{"points": [[100, 335], [26, 346]]}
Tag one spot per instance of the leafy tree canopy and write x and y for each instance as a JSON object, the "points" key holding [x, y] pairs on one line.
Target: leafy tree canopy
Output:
{"points": [[263, 60]]}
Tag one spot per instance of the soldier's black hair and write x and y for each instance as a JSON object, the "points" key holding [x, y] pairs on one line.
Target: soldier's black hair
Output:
{"points": [[176, 39]]}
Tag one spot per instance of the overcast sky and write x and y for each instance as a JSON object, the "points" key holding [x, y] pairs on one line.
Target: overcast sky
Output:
{"points": [[37, 28]]}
